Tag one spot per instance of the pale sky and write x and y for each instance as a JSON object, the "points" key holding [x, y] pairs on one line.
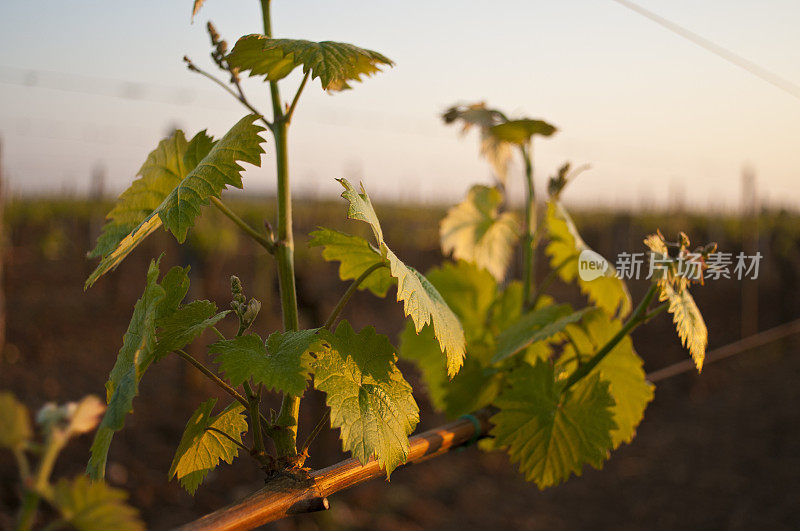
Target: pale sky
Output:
{"points": [[656, 116]]}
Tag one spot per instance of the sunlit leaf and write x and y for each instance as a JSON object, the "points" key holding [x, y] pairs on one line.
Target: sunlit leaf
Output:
{"points": [[15, 422], [201, 449], [370, 401], [566, 245], [521, 131], [688, 321], [549, 433], [355, 255], [177, 211], [88, 505], [135, 356], [334, 63], [165, 167], [421, 301], [621, 368], [283, 363], [476, 231]]}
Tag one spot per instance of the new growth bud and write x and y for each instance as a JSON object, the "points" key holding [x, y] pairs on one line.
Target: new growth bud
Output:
{"points": [[246, 311]]}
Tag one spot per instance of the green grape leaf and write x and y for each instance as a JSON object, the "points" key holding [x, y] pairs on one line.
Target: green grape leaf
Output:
{"points": [[475, 231], [606, 291], [15, 422], [688, 321], [218, 169], [370, 401], [183, 326], [621, 368], [521, 131], [421, 301], [334, 63], [135, 356], [284, 363], [88, 505], [496, 152], [164, 169], [549, 433], [355, 255], [201, 449], [535, 326]]}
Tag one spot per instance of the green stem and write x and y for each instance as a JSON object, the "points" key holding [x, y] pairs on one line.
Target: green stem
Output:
{"points": [[529, 257], [231, 439], [22, 464], [208, 373], [638, 316], [242, 224], [349, 293], [551, 276], [290, 112], [27, 511], [240, 96], [33, 493], [253, 410], [285, 439]]}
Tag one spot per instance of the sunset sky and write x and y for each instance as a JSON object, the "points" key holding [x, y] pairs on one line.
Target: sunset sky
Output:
{"points": [[85, 84]]}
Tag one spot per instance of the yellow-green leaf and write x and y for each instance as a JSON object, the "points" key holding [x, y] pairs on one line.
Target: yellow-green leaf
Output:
{"points": [[421, 301], [688, 321], [201, 449], [164, 169], [476, 231], [621, 368], [607, 291], [334, 63], [217, 169], [370, 401]]}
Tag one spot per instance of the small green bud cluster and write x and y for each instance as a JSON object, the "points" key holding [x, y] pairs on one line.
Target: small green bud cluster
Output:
{"points": [[247, 311]]}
